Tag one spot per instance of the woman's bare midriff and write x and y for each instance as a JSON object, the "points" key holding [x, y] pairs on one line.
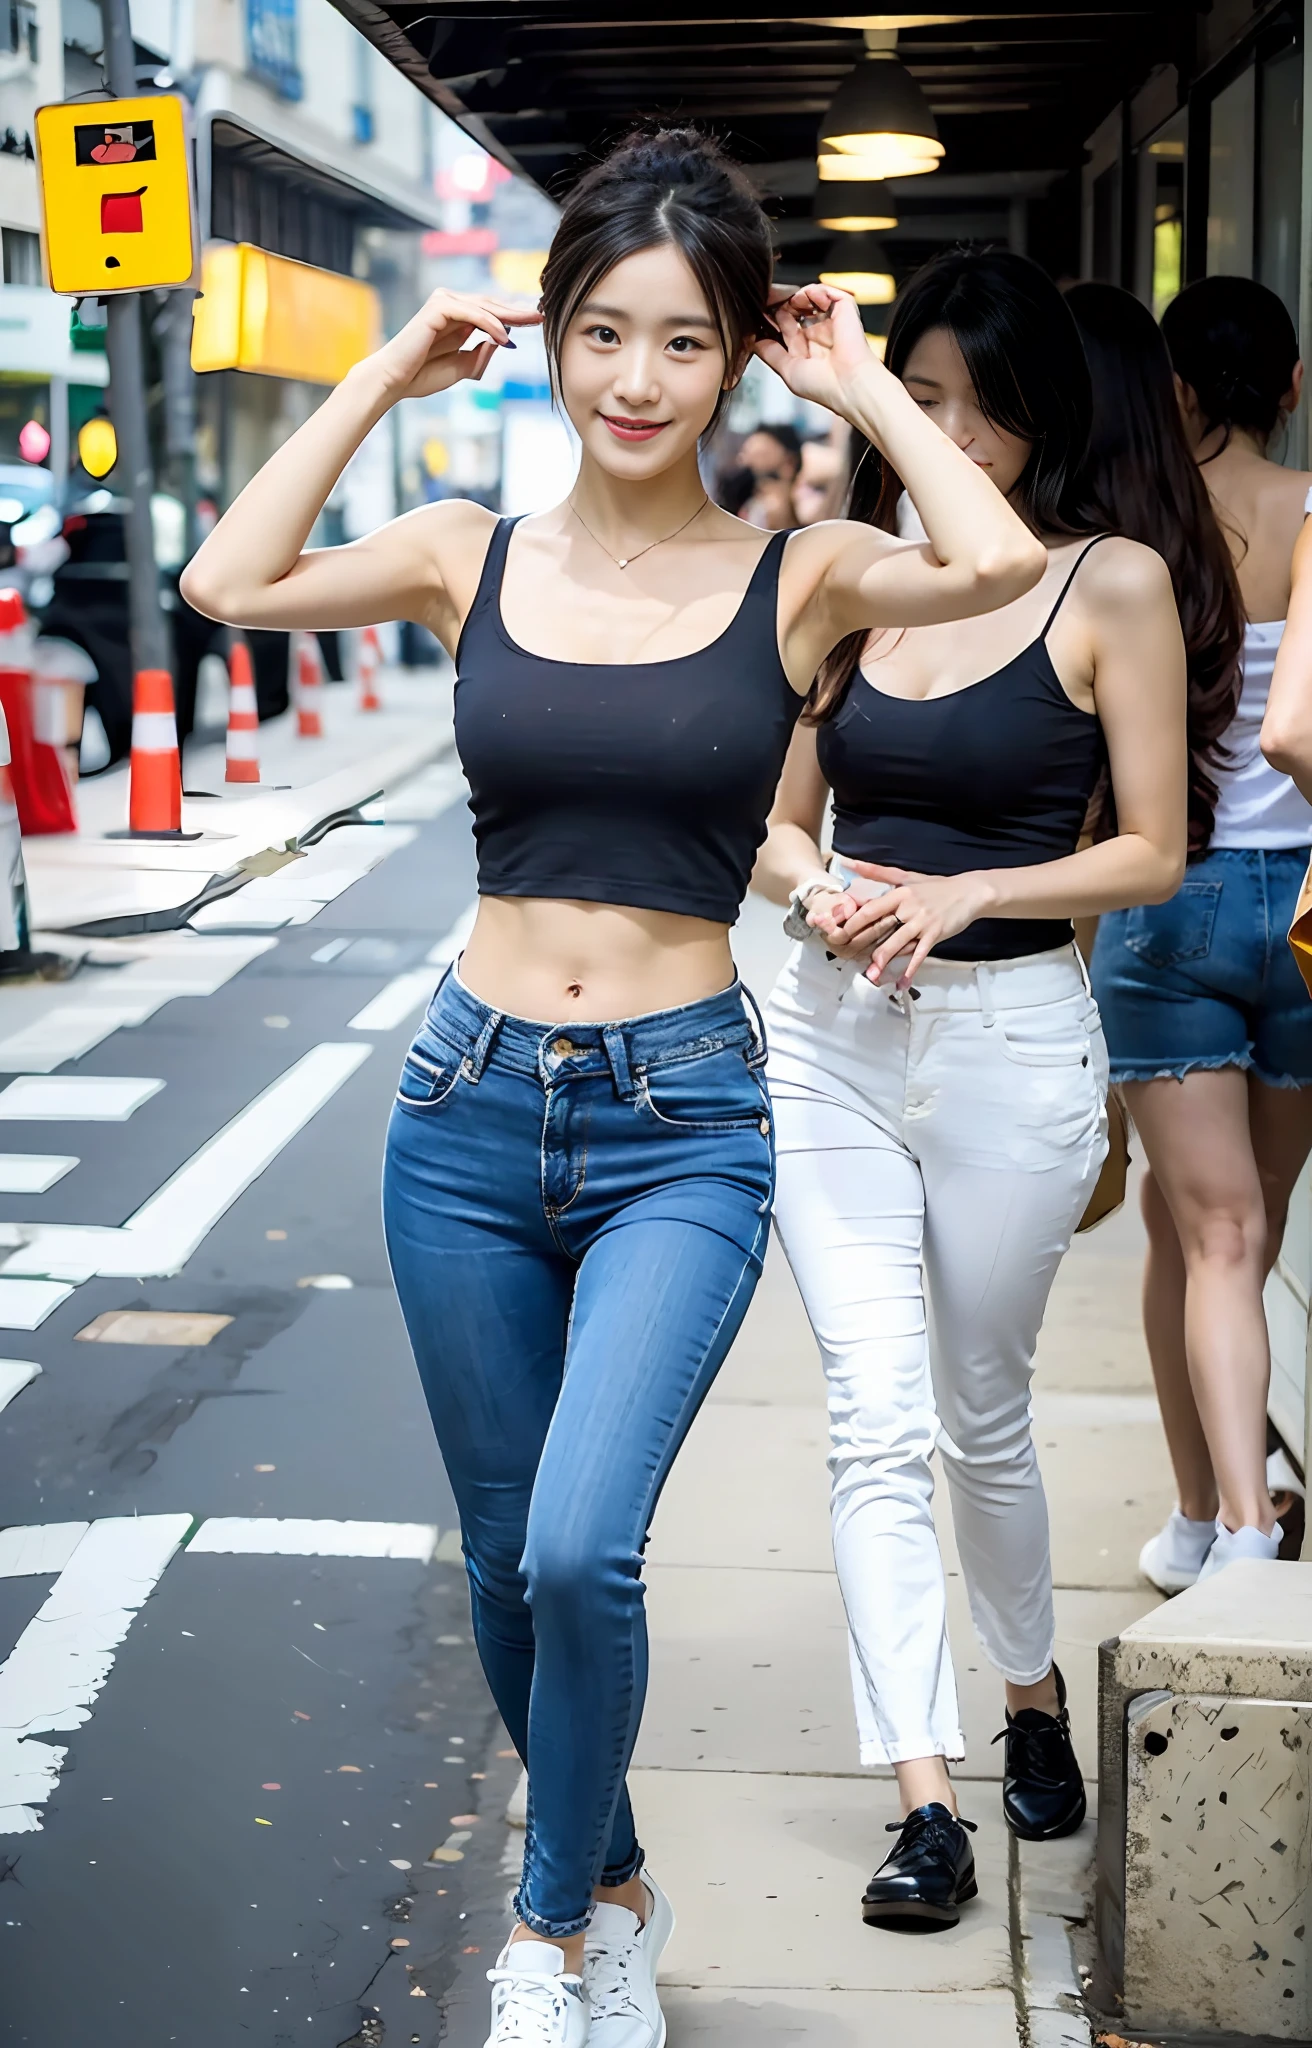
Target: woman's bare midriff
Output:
{"points": [[591, 963]]}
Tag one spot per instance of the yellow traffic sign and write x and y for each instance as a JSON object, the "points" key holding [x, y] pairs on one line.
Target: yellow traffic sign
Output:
{"points": [[116, 201]]}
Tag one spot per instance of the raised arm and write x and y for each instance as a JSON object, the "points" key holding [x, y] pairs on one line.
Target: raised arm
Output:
{"points": [[980, 553], [1287, 726], [254, 569]]}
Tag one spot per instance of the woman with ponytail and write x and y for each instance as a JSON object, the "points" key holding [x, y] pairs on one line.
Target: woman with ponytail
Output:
{"points": [[936, 1060], [580, 1168], [1207, 1020]]}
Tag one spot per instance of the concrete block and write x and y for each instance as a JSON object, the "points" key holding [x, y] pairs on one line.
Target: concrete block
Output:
{"points": [[1218, 1865], [1243, 1634]]}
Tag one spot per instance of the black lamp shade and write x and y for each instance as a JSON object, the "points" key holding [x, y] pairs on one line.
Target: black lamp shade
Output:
{"points": [[867, 199], [878, 98]]}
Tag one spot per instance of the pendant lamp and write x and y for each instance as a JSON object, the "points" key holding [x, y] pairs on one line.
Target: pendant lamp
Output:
{"points": [[859, 264], [880, 116], [862, 206]]}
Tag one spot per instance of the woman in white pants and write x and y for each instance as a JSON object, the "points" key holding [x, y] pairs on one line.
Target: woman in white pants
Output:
{"points": [[936, 1061]]}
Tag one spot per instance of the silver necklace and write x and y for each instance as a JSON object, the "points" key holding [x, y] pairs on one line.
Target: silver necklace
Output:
{"points": [[627, 559]]}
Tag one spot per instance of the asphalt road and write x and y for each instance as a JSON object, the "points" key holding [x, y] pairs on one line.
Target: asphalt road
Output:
{"points": [[239, 1845]]}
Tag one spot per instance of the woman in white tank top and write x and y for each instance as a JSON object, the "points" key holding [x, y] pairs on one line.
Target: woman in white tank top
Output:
{"points": [[1208, 1024]]}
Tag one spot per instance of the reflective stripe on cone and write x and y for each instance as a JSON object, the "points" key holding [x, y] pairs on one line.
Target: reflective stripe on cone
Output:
{"points": [[155, 791], [243, 762]]}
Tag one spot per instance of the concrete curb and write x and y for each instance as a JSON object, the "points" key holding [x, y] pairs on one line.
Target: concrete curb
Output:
{"points": [[1051, 1887]]}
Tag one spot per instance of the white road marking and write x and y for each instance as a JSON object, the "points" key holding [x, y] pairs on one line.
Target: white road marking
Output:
{"points": [[159, 1239], [31, 1173], [51, 1026], [31, 1553], [68, 1032], [331, 951], [15, 1374], [25, 1304], [395, 1003], [261, 1537], [64, 1656], [450, 947], [75, 1098]]}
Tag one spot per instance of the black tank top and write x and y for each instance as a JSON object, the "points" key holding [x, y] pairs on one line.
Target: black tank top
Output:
{"points": [[644, 783], [997, 775]]}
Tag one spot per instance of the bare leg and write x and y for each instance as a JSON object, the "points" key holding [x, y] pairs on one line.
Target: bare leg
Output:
{"points": [[1200, 1145], [1163, 1326], [924, 1781]]}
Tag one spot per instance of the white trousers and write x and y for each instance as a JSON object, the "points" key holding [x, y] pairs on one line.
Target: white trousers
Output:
{"points": [[935, 1153]]}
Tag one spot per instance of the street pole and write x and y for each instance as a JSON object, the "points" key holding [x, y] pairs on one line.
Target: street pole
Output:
{"points": [[127, 399]]}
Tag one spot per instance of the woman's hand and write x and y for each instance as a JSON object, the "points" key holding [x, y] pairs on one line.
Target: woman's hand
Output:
{"points": [[823, 344], [429, 354], [912, 914]]}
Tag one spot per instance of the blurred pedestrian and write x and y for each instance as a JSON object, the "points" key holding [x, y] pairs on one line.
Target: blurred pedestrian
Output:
{"points": [[1208, 1021], [576, 1210], [822, 477], [772, 457], [936, 1060]]}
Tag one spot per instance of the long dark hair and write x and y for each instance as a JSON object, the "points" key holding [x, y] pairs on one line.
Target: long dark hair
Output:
{"points": [[1023, 352], [1233, 343], [671, 185], [1141, 480]]}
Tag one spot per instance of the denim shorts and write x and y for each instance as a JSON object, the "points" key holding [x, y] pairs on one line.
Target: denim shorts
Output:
{"points": [[1207, 980]]}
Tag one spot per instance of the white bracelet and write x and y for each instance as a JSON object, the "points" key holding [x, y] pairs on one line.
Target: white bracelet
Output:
{"points": [[811, 885]]}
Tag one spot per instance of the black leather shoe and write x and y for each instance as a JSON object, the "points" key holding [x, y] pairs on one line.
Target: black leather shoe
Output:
{"points": [[929, 1872], [1042, 1790]]}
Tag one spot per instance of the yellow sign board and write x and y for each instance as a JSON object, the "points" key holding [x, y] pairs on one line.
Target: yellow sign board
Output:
{"points": [[266, 313], [116, 205]]}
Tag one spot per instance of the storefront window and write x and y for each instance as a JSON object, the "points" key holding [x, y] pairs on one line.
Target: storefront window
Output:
{"points": [[1280, 171], [1161, 216], [1230, 178]]}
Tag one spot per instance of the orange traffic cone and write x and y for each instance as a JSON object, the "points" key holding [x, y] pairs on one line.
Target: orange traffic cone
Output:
{"points": [[309, 688], [40, 778], [155, 790], [243, 764], [371, 660]]}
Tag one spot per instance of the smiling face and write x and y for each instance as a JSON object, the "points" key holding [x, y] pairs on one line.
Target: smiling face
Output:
{"points": [[936, 376], [641, 364]]}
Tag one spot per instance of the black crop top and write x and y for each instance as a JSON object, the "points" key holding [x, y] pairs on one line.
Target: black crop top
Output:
{"points": [[997, 775], [644, 783]]}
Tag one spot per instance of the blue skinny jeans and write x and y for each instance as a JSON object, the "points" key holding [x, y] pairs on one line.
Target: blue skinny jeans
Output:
{"points": [[576, 1217]]}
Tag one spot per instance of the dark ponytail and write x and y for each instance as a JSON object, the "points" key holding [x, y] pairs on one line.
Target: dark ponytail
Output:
{"points": [[671, 185], [1233, 343], [1141, 480], [1023, 352]]}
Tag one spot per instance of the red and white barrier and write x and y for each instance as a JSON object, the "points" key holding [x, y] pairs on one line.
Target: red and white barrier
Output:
{"points": [[243, 762], [370, 662], [309, 688], [36, 729], [155, 789]]}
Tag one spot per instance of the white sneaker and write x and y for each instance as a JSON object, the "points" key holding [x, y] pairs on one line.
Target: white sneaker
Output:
{"points": [[535, 2004], [619, 1972], [1232, 1544], [1172, 1559]]}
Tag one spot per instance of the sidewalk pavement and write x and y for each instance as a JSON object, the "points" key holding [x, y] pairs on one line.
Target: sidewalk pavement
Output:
{"points": [[755, 1814]]}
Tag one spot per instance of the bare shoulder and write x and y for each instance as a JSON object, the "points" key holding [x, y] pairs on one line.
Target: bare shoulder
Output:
{"points": [[1123, 576], [450, 524]]}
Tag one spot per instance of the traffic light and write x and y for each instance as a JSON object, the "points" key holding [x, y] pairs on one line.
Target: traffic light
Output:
{"points": [[97, 446]]}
